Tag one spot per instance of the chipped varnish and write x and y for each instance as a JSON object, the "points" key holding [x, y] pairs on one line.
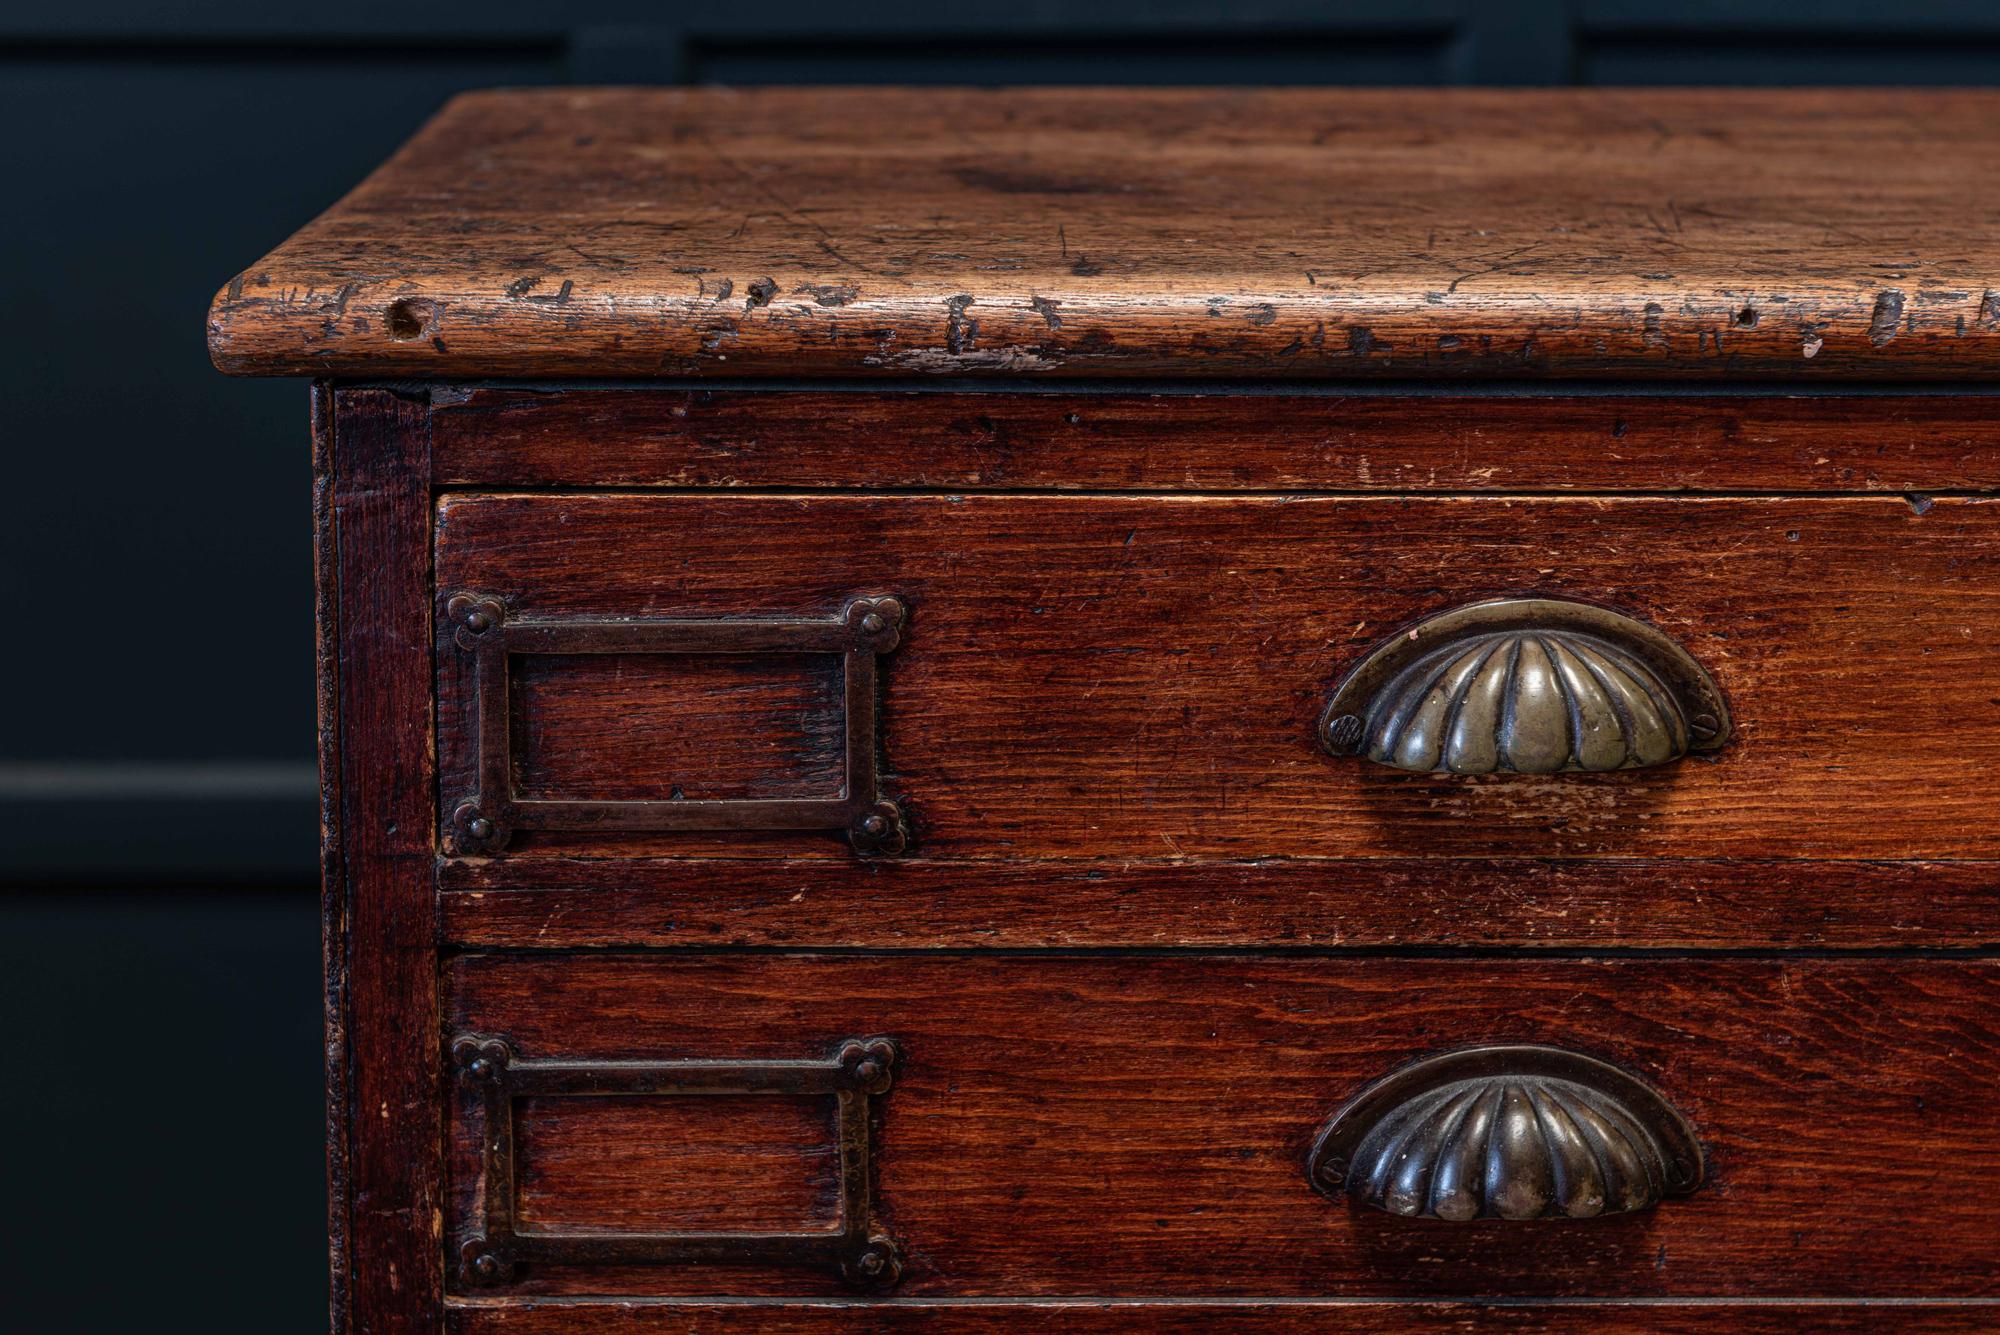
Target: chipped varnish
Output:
{"points": [[1190, 233]]}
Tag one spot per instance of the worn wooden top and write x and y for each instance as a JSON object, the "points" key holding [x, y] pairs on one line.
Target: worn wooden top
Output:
{"points": [[1273, 234]]}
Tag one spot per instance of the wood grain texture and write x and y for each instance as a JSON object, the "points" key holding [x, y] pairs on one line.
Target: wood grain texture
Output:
{"points": [[1084, 1316], [1294, 233], [1120, 677], [770, 725], [924, 903], [332, 866], [1277, 441], [380, 963], [1138, 1127], [711, 1163]]}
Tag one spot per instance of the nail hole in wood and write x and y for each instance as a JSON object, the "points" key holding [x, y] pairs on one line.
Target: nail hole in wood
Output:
{"points": [[412, 317]]}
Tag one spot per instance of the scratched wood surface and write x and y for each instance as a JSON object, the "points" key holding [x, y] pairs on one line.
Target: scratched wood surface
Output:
{"points": [[1121, 1127], [1191, 441], [333, 871], [719, 1162], [381, 975], [1083, 1316], [1293, 233], [769, 725], [1139, 677]]}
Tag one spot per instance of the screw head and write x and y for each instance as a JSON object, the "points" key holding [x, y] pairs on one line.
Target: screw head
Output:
{"points": [[1704, 725], [1344, 733], [486, 1265], [480, 828], [479, 1068], [868, 1070], [874, 824], [872, 1261], [874, 623], [477, 621]]}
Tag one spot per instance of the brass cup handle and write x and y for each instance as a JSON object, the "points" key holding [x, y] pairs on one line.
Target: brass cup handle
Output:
{"points": [[1507, 1132], [1525, 686]]}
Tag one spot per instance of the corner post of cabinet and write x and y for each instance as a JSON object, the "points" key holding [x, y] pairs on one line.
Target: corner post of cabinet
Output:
{"points": [[372, 556]]}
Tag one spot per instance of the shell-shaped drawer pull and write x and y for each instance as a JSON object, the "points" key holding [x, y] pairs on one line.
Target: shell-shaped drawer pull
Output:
{"points": [[1507, 1132], [1525, 686]]}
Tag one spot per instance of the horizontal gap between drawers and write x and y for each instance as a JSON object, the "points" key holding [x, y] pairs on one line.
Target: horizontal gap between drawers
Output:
{"points": [[1436, 388], [500, 490], [1076, 1300], [1989, 951]]}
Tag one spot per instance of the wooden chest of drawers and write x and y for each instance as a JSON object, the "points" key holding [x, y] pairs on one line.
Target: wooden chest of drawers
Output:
{"points": [[1158, 710]]}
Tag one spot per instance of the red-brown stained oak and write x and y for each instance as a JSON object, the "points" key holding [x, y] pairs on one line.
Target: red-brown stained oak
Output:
{"points": [[1194, 233], [1117, 440], [1138, 1127], [923, 903], [381, 926], [713, 1162], [714, 725], [1139, 677], [333, 874], [1083, 1316]]}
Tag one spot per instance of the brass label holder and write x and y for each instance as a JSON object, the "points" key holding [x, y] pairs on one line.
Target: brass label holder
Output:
{"points": [[854, 1075], [867, 628]]}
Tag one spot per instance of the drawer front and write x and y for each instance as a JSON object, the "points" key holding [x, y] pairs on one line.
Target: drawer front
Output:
{"points": [[1143, 1125], [1149, 677]]}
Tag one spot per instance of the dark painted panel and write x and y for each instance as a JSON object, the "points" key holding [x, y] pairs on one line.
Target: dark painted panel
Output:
{"points": [[1396, 57], [1777, 43], [1797, 64], [162, 1119], [428, 19], [1775, 19], [222, 823]]}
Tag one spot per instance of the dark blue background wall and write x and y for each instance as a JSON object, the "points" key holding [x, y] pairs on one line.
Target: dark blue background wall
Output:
{"points": [[159, 1138]]}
